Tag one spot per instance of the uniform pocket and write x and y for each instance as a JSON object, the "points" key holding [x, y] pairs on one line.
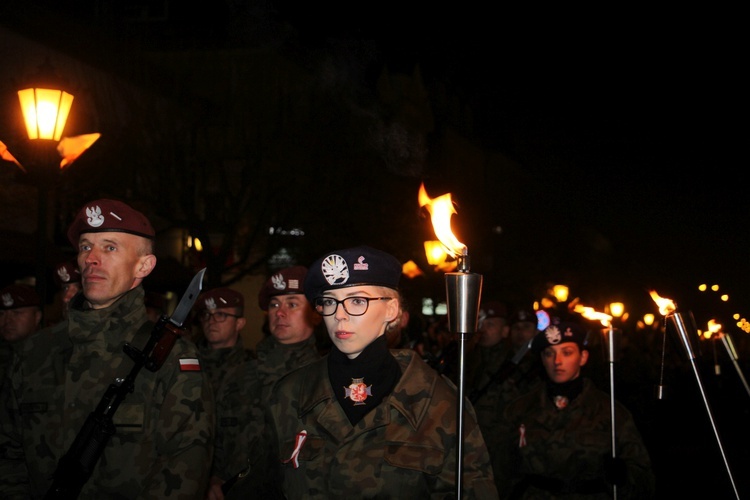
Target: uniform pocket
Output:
{"points": [[311, 450], [129, 417], [420, 458]]}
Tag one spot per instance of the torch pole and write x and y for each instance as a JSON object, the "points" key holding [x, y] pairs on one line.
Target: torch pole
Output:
{"points": [[611, 357], [679, 323], [463, 290], [729, 346]]}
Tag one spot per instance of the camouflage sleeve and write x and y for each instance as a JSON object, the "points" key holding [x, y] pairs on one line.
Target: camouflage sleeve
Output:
{"points": [[640, 480], [478, 477], [184, 432], [14, 476]]}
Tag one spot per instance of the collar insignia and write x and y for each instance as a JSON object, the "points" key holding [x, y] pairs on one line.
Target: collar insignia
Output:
{"points": [[358, 391]]}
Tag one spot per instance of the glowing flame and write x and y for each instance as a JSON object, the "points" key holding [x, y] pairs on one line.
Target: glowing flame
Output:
{"points": [[441, 209], [713, 327], [591, 313], [666, 306]]}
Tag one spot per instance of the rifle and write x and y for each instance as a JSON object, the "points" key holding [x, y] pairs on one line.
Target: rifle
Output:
{"points": [[75, 467], [501, 374]]}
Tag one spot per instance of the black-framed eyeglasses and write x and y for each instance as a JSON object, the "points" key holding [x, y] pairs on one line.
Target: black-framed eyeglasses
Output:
{"points": [[218, 316], [354, 306]]}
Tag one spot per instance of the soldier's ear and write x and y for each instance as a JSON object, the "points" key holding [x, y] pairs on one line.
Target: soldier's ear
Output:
{"points": [[145, 266], [584, 356]]}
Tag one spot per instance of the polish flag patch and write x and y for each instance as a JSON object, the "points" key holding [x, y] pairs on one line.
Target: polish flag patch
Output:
{"points": [[190, 365]]}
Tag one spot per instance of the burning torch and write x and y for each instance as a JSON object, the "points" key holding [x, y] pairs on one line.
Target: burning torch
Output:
{"points": [[731, 350], [668, 309], [609, 334], [463, 291]]}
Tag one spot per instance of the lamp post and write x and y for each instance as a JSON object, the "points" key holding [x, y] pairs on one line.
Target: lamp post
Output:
{"points": [[45, 107]]}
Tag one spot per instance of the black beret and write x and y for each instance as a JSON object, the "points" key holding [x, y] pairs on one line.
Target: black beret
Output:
{"points": [[109, 215], [559, 333], [523, 315], [288, 281], [18, 295], [220, 297], [356, 266]]}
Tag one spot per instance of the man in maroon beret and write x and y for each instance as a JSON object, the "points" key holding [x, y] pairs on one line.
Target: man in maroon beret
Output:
{"points": [[291, 343], [163, 431], [20, 312], [220, 312]]}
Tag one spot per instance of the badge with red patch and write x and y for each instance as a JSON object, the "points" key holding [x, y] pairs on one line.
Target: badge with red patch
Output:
{"points": [[358, 391], [190, 365]]}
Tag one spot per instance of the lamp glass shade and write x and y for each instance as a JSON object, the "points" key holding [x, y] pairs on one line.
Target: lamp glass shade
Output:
{"points": [[45, 112]]}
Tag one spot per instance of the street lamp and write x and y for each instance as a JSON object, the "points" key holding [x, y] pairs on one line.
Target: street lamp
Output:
{"points": [[45, 107]]}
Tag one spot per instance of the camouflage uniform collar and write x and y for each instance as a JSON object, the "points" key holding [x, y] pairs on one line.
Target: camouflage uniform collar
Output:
{"points": [[414, 391], [89, 324]]}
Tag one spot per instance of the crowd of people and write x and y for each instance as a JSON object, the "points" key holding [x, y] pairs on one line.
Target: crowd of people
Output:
{"points": [[351, 393]]}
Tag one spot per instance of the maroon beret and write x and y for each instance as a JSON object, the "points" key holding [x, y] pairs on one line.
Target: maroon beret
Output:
{"points": [[15, 296], [219, 298], [285, 282], [67, 272], [109, 215]]}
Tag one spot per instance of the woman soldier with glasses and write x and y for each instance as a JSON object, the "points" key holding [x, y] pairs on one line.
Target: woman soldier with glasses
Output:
{"points": [[365, 421]]}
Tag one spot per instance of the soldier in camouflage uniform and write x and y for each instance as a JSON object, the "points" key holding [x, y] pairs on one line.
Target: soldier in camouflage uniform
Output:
{"points": [[559, 438], [221, 315], [164, 429], [364, 421], [291, 344]]}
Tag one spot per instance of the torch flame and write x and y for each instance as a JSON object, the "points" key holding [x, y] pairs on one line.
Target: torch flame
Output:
{"points": [[713, 327], [441, 209], [591, 313], [666, 306]]}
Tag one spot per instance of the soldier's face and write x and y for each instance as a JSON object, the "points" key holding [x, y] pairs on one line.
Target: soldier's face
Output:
{"points": [[492, 331], [17, 324], [221, 334], [351, 334], [291, 319], [521, 332], [563, 362], [111, 263]]}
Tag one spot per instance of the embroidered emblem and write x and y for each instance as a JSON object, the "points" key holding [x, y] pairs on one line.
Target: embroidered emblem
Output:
{"points": [[561, 402], [210, 303], [190, 365], [95, 218], [335, 270], [7, 300], [552, 334], [298, 442], [278, 281], [522, 439], [294, 284], [63, 274], [358, 391], [361, 265]]}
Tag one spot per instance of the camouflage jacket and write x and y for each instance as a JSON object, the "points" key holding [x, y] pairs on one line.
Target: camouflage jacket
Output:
{"points": [[276, 359], [550, 452], [404, 448], [164, 429], [223, 364]]}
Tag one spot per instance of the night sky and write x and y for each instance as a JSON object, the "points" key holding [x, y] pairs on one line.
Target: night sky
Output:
{"points": [[629, 121]]}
